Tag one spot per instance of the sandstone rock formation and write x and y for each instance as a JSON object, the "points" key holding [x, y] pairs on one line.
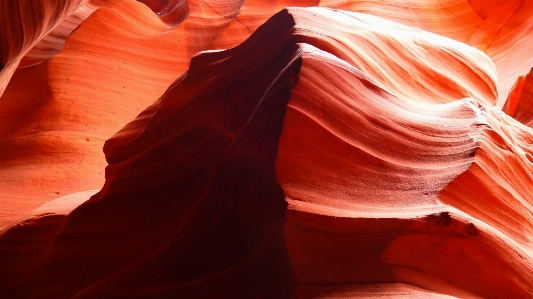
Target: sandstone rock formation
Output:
{"points": [[127, 55], [331, 154]]}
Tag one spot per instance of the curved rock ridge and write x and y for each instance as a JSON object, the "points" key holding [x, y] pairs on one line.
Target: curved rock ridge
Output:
{"points": [[501, 29], [463, 72], [133, 55], [412, 64], [412, 166], [289, 166], [78, 99], [118, 61], [52, 43], [201, 192], [33, 31], [52, 128], [358, 211], [497, 187], [422, 148]]}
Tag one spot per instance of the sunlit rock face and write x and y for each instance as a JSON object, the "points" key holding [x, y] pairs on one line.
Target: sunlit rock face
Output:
{"points": [[201, 149]]}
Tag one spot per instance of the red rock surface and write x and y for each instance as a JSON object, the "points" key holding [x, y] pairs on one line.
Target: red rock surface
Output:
{"points": [[23, 243], [124, 56], [78, 99], [332, 154], [519, 103]]}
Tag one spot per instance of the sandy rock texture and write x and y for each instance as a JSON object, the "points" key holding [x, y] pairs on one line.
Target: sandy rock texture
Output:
{"points": [[241, 149]]}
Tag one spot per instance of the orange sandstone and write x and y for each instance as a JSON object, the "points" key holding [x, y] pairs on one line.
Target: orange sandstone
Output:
{"points": [[331, 154]]}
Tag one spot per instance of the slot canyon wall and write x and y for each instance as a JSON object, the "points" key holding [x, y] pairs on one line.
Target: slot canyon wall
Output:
{"points": [[266, 149]]}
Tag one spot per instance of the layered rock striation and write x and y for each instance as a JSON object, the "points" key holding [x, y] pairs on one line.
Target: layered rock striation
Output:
{"points": [[121, 59], [331, 154]]}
